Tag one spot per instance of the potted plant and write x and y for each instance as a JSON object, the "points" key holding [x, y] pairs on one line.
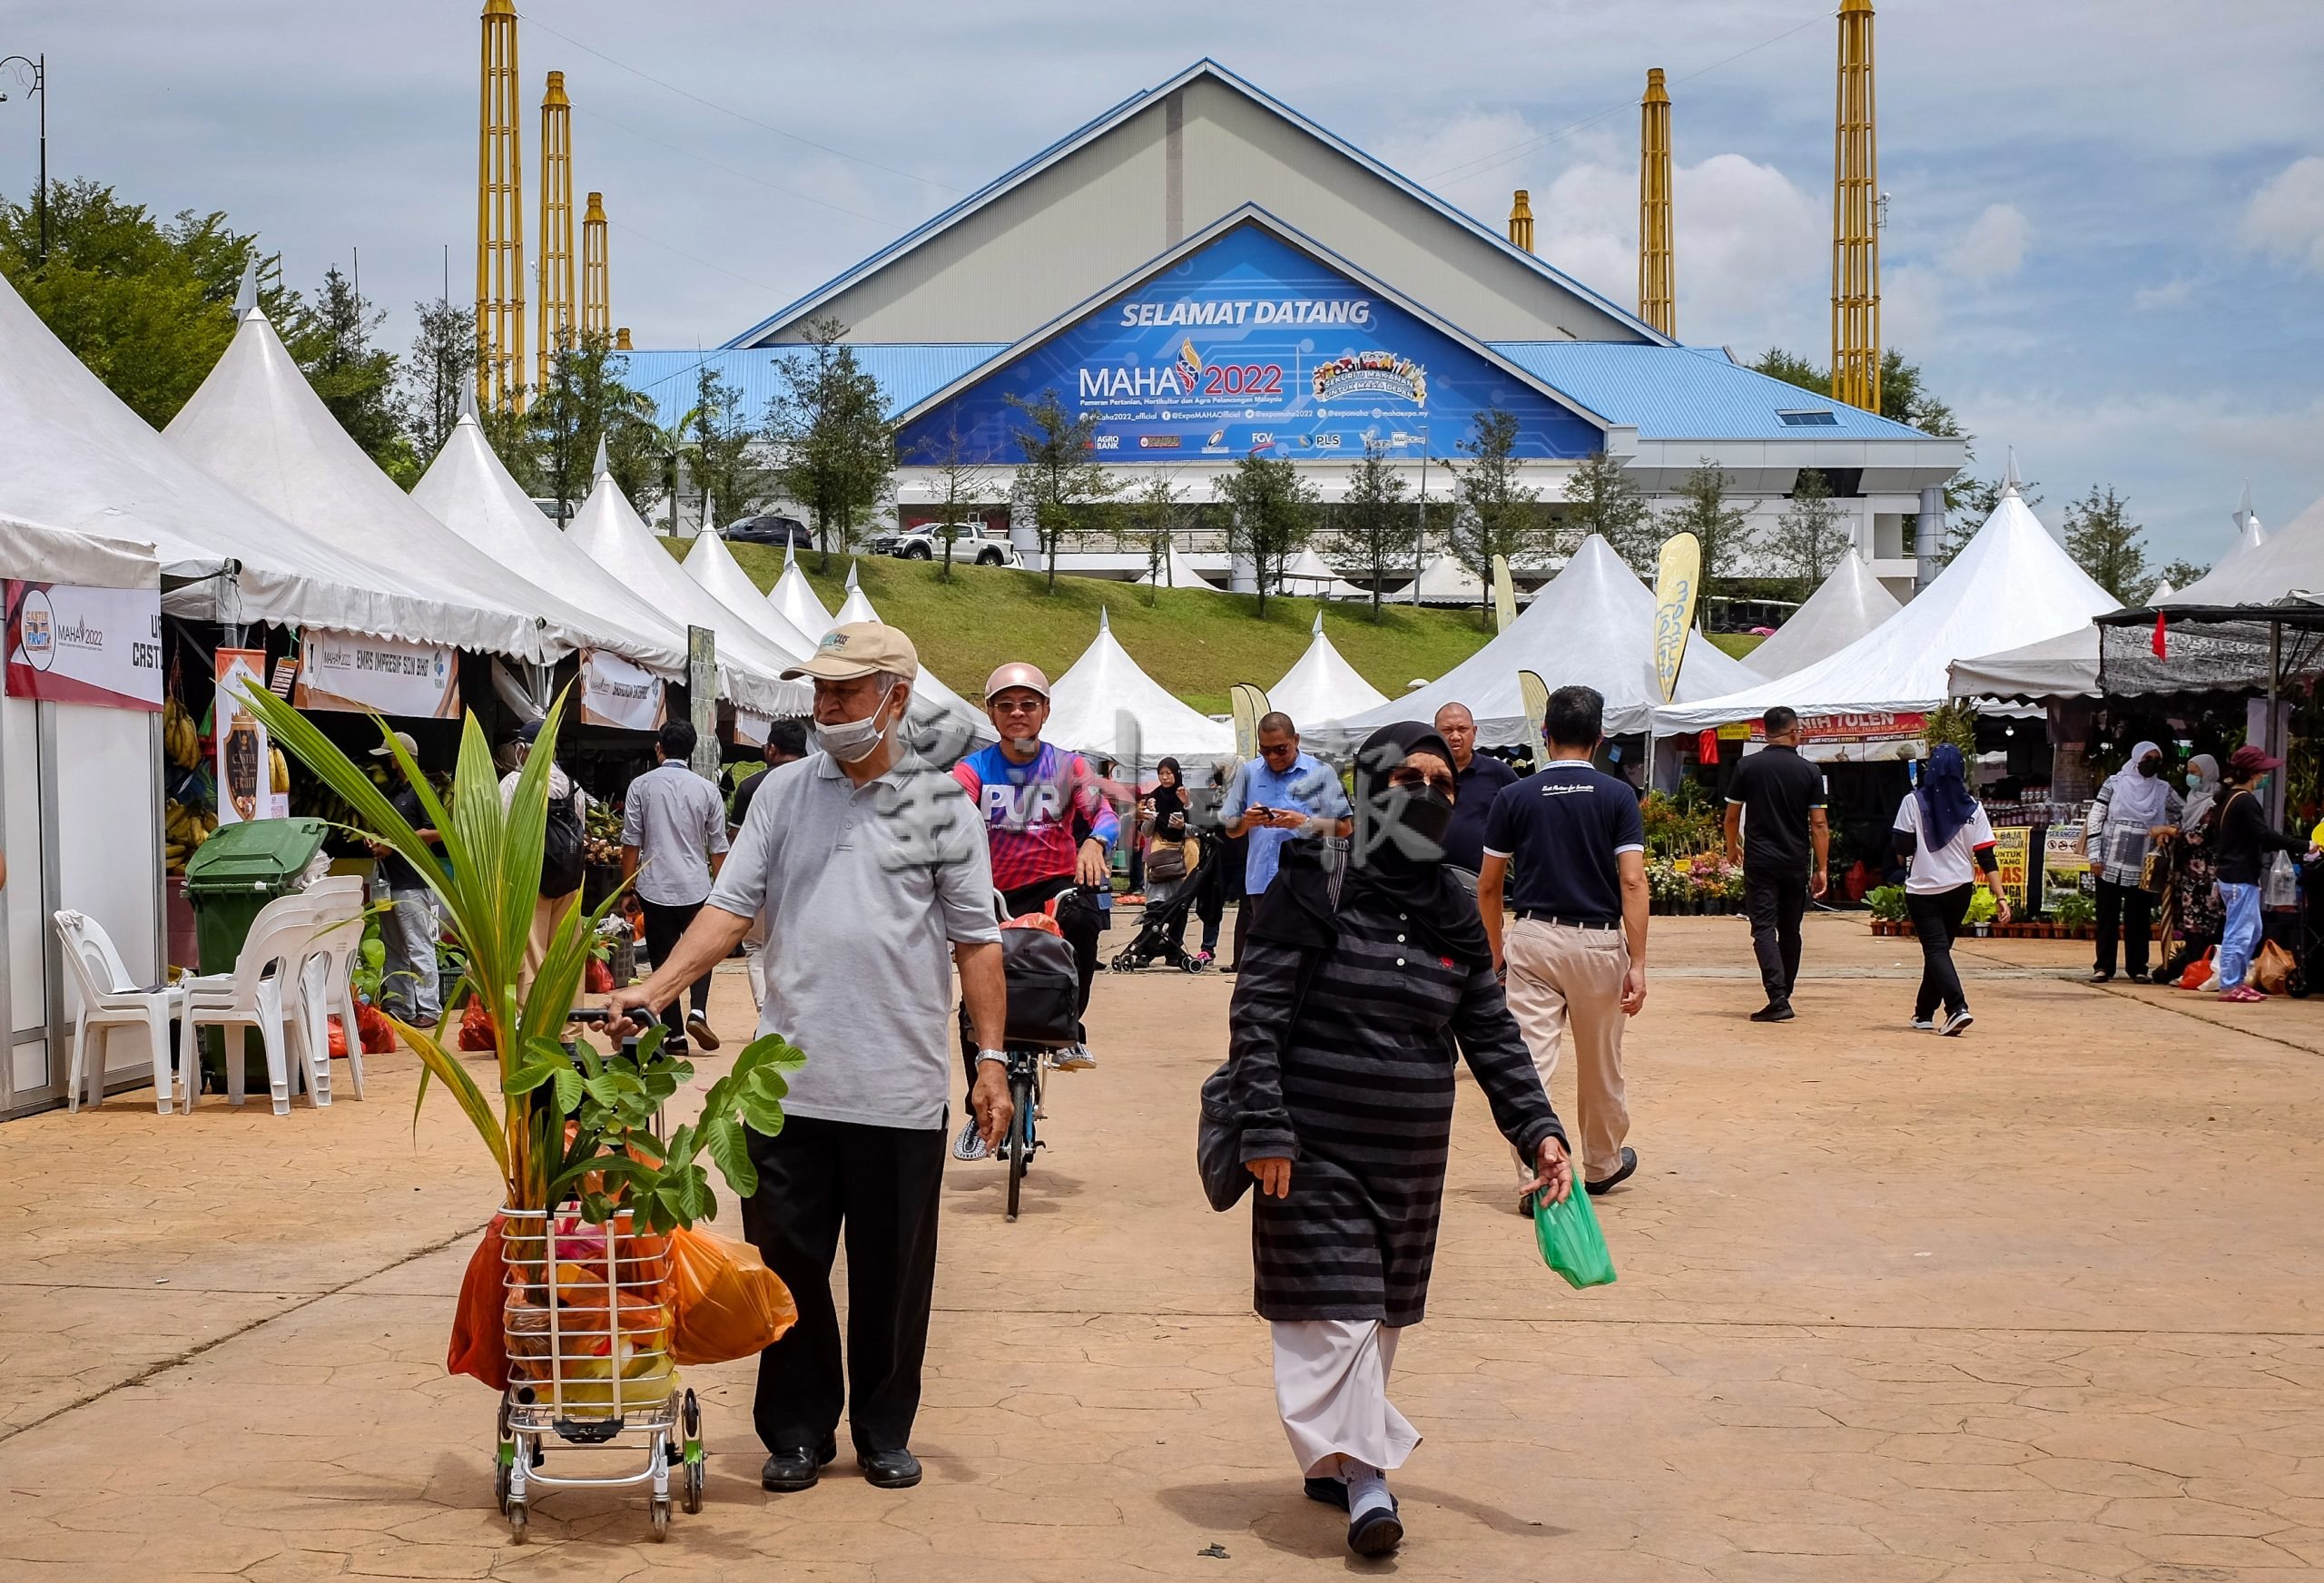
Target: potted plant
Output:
{"points": [[1981, 912], [2077, 914], [1886, 903]]}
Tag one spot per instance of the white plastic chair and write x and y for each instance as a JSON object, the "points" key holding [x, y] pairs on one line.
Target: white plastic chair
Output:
{"points": [[252, 998], [110, 1000], [323, 986]]}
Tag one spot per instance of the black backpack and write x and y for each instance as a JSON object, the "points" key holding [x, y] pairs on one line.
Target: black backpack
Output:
{"points": [[561, 848]]}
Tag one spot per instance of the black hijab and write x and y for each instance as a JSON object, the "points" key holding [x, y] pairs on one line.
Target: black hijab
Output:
{"points": [[1169, 800], [1394, 862]]}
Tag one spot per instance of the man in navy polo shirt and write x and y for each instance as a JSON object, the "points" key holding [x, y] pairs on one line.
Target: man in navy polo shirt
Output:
{"points": [[1574, 958]]}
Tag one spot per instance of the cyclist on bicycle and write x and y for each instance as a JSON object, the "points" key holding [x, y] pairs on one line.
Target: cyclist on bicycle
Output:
{"points": [[1031, 795]]}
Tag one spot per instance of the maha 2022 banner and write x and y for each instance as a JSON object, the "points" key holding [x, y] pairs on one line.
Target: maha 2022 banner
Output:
{"points": [[70, 645]]}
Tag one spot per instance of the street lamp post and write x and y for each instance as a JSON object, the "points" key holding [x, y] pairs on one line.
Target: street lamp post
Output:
{"points": [[39, 65]]}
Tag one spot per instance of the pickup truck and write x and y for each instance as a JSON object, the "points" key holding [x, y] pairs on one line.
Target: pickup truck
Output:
{"points": [[974, 545]]}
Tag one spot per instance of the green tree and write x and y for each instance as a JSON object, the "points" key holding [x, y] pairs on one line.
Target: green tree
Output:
{"points": [[961, 484], [1272, 515], [586, 401], [1060, 482], [1377, 534], [1718, 521], [836, 447], [1905, 396], [440, 368], [728, 478], [329, 338], [148, 307], [1158, 513], [2106, 543], [1496, 513], [1811, 535], [1601, 498]]}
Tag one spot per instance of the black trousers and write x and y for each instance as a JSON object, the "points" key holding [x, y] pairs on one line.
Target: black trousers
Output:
{"points": [[665, 925], [1775, 902], [1936, 918], [2125, 910], [882, 1186]]}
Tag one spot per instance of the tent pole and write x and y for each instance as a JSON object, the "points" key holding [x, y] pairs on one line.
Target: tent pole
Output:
{"points": [[2274, 734]]}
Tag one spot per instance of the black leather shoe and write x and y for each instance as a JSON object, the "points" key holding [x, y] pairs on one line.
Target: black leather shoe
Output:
{"points": [[1608, 1183], [1330, 1492], [796, 1467], [889, 1470], [1377, 1532], [1774, 1011]]}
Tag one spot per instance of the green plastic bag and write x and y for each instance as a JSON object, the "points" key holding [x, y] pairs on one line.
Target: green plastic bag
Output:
{"points": [[1571, 1244]]}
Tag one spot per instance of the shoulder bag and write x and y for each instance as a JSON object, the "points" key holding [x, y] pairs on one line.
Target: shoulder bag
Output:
{"points": [[1218, 1136]]}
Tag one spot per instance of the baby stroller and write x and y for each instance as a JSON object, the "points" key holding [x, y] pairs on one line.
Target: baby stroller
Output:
{"points": [[1161, 933]]}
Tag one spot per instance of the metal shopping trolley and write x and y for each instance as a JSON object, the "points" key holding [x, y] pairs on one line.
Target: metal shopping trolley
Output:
{"points": [[587, 1317]]}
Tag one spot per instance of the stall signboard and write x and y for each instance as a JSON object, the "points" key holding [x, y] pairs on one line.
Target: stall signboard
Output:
{"points": [[1865, 725], [750, 730], [377, 675], [616, 693], [2012, 848], [70, 645], [2065, 871], [245, 755], [1250, 345]]}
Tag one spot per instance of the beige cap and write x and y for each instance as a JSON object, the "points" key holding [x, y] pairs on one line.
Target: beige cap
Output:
{"points": [[858, 649], [1016, 674], [404, 737]]}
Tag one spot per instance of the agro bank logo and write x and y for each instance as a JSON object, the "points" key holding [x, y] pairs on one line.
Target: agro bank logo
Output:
{"points": [[1372, 374]]}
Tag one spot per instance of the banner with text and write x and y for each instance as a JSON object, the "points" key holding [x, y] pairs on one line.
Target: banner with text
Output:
{"points": [[70, 645], [2013, 850], [245, 749], [616, 693], [384, 675]]}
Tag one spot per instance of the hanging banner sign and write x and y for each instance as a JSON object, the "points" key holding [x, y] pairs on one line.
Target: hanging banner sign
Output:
{"points": [[2012, 848], [750, 730], [2065, 869], [70, 645], [245, 751], [1675, 585], [1866, 725], [1251, 345], [378, 676], [618, 693]]}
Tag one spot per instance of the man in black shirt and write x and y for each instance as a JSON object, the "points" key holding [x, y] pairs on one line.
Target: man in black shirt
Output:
{"points": [[1478, 779], [1775, 816], [409, 984], [1574, 958]]}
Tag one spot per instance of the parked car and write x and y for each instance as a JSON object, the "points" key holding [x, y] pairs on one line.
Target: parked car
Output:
{"points": [[768, 528], [975, 544]]}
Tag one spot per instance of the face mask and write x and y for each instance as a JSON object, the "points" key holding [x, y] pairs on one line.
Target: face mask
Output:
{"points": [[852, 741], [1414, 821], [2149, 768]]}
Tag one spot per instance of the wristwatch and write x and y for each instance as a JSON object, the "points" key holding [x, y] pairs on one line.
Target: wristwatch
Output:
{"points": [[984, 1055]]}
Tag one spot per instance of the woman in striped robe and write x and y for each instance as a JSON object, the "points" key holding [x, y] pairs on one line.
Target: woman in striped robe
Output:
{"points": [[1343, 1027]]}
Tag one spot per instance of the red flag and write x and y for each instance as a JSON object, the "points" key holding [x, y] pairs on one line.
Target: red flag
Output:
{"points": [[2161, 651]]}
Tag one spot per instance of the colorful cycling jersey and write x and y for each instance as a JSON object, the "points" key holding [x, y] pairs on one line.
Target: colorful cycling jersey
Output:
{"points": [[1029, 809]]}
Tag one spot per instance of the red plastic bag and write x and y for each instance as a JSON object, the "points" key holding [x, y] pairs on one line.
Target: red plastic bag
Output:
{"points": [[476, 1028], [372, 1026], [728, 1304], [479, 1348], [2198, 970], [338, 1039], [598, 978]]}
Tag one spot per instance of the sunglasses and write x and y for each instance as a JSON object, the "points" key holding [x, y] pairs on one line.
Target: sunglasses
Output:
{"points": [[1407, 777]]}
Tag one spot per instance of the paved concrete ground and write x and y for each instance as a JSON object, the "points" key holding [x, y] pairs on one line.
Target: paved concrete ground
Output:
{"points": [[2040, 1303]]}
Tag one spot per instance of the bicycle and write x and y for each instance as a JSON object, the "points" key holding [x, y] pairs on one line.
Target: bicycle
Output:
{"points": [[1043, 1018], [1028, 1073]]}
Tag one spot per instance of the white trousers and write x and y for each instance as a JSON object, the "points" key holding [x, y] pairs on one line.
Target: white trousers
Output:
{"points": [[1330, 1386]]}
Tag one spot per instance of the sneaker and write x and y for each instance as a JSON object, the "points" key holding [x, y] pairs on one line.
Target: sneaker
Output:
{"points": [[2242, 994], [1958, 1023], [1774, 1011], [1201, 960], [698, 1028], [1924, 1025], [1074, 1059], [969, 1145]]}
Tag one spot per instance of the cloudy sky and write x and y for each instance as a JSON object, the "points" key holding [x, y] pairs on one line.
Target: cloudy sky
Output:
{"points": [[2105, 242]]}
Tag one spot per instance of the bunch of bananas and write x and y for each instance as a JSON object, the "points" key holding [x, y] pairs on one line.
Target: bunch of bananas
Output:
{"points": [[183, 829], [278, 769], [179, 740]]}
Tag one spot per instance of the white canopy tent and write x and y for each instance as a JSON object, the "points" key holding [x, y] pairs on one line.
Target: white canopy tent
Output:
{"points": [[2264, 567], [611, 533], [794, 600], [1106, 705], [1851, 603], [1593, 624], [1445, 581], [2065, 666], [38, 553], [1179, 572], [855, 606], [257, 425], [73, 457], [712, 564], [1308, 575], [2010, 585], [1322, 685], [931, 688], [469, 490]]}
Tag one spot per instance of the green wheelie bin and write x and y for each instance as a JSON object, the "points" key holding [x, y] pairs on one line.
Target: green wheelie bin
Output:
{"points": [[233, 874]]}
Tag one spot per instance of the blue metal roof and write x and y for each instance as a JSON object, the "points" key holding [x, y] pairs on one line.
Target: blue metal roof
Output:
{"points": [[907, 372], [1691, 393]]}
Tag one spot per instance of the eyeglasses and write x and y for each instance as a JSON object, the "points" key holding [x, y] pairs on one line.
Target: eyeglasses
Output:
{"points": [[1019, 706], [1408, 778]]}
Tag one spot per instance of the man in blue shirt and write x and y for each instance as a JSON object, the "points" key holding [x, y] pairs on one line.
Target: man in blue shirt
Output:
{"points": [[1574, 958], [1279, 795]]}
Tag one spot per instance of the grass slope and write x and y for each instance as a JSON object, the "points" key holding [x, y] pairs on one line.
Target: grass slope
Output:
{"points": [[1736, 644], [1196, 645]]}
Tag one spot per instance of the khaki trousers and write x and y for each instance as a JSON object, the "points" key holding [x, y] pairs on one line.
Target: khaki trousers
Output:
{"points": [[1565, 986], [549, 911]]}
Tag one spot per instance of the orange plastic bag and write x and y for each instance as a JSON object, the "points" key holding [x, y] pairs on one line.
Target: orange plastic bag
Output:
{"points": [[728, 1304], [479, 1345]]}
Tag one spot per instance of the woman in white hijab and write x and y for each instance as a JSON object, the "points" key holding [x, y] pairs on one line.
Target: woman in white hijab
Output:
{"points": [[2133, 811]]}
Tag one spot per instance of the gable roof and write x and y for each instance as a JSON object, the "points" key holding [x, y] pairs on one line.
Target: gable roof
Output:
{"points": [[1091, 131], [1674, 392]]}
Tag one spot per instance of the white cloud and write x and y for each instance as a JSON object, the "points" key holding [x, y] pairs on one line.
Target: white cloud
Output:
{"points": [[2286, 215], [1993, 247], [2170, 294], [1912, 307]]}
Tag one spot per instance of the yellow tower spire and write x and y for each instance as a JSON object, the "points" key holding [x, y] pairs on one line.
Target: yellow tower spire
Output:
{"points": [[1856, 226], [556, 226], [499, 220], [1521, 220], [1656, 293], [596, 306]]}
